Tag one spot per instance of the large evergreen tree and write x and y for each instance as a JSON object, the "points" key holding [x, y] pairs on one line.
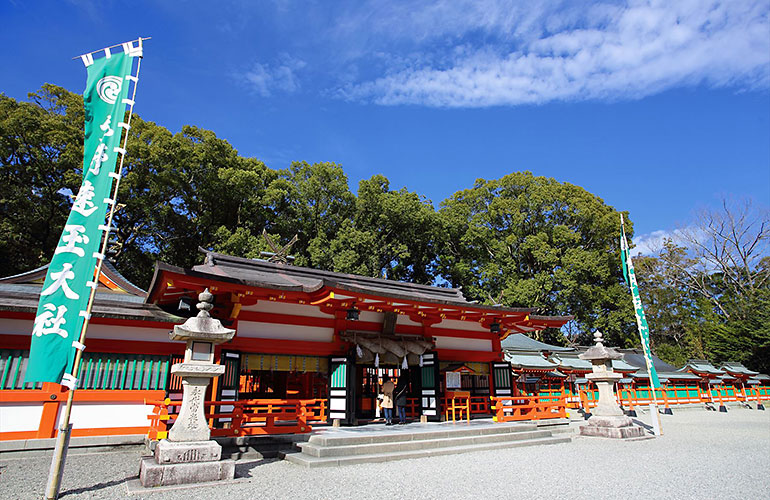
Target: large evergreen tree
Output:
{"points": [[536, 242]]}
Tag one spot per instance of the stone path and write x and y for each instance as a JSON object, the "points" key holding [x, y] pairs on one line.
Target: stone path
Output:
{"points": [[701, 455]]}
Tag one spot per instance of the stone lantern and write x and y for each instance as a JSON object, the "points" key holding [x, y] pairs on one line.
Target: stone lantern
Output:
{"points": [[188, 455], [607, 418]]}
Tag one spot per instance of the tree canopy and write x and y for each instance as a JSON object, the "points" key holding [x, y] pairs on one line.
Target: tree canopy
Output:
{"points": [[521, 240], [536, 242]]}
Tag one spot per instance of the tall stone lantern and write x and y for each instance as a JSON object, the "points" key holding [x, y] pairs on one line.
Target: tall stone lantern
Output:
{"points": [[607, 418], [188, 455]]}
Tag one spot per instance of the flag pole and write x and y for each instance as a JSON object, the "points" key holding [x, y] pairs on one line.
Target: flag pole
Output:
{"points": [[140, 40], [628, 268], [65, 428]]}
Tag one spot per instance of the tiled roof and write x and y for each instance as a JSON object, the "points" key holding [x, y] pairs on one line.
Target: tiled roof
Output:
{"points": [[529, 361], [570, 362], [737, 369], [702, 366], [521, 342]]}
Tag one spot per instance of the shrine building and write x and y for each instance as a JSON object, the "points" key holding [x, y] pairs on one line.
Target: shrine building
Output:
{"points": [[321, 337]]}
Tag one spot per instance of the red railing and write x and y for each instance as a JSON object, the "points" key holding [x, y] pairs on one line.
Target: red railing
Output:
{"points": [[51, 396], [245, 417], [678, 395], [509, 409]]}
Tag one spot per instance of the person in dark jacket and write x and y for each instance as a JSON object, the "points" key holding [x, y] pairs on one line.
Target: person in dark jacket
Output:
{"points": [[401, 391]]}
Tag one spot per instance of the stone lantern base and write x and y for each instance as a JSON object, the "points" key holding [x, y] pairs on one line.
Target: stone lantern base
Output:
{"points": [[184, 463], [617, 427]]}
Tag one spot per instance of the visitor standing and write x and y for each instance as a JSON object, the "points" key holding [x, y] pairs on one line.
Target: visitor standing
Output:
{"points": [[401, 391], [387, 400]]}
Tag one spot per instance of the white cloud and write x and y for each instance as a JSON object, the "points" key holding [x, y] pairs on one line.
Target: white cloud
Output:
{"points": [[265, 79], [650, 243], [519, 53]]}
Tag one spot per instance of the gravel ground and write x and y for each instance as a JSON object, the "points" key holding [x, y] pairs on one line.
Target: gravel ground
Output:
{"points": [[701, 455]]}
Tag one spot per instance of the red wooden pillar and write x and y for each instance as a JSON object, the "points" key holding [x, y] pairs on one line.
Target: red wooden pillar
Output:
{"points": [[47, 427]]}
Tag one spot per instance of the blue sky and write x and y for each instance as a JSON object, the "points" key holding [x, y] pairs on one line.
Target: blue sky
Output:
{"points": [[659, 108]]}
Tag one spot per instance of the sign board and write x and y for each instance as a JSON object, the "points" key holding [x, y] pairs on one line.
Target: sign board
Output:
{"points": [[453, 380]]}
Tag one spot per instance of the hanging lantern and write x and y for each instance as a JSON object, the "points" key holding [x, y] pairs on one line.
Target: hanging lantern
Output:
{"points": [[359, 351], [420, 360], [377, 360], [404, 365]]}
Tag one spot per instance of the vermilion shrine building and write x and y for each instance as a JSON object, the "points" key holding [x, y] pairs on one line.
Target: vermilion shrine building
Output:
{"points": [[301, 334]]}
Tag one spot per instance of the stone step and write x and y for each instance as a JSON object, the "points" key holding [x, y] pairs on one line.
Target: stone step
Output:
{"points": [[315, 450], [258, 447], [310, 461], [407, 433]]}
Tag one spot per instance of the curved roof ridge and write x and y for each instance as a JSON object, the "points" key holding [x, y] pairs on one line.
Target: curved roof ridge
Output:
{"points": [[212, 259]]}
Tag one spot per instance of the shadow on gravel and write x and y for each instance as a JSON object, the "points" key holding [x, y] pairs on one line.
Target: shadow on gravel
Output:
{"points": [[96, 487], [642, 424], [243, 469]]}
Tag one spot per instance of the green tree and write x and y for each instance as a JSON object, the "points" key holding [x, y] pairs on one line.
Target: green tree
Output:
{"points": [[178, 191], [312, 201], [674, 314], [720, 265], [391, 234], [185, 191], [539, 243], [41, 155]]}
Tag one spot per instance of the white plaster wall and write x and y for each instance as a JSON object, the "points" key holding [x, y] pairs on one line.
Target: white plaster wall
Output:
{"points": [[129, 333], [371, 316], [16, 326], [456, 324], [255, 329], [404, 320], [110, 414], [270, 306], [95, 331], [463, 344], [18, 417]]}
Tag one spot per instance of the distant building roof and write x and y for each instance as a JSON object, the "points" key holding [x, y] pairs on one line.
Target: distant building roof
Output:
{"points": [[116, 297], [759, 379], [635, 357], [621, 366], [572, 362], [734, 368], [521, 342], [529, 361], [667, 376], [702, 367], [110, 279]]}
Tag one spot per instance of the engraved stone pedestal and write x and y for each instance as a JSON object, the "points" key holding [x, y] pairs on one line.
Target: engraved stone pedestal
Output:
{"points": [[188, 456], [607, 418]]}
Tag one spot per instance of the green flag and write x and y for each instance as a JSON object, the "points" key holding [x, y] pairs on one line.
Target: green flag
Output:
{"points": [[64, 297], [641, 320]]}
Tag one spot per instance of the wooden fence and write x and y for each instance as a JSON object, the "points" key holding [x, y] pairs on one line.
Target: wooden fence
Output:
{"points": [[516, 408], [670, 395], [50, 396], [250, 417]]}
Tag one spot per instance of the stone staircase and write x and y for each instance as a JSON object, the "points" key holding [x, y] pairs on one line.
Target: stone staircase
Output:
{"points": [[347, 446]]}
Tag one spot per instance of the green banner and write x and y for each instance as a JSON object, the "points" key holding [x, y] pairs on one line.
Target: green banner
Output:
{"points": [[64, 297], [641, 320]]}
